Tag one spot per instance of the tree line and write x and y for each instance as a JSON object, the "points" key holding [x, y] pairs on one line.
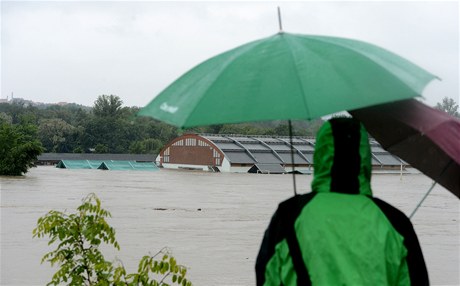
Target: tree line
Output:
{"points": [[26, 130], [110, 127]]}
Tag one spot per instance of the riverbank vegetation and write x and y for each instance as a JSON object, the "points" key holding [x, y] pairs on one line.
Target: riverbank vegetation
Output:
{"points": [[110, 127], [80, 261], [19, 147]]}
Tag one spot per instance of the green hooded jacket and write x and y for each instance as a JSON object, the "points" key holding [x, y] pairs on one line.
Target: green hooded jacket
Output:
{"points": [[338, 234]]}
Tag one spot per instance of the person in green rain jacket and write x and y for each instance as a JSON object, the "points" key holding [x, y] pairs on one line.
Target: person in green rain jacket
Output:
{"points": [[339, 234]]}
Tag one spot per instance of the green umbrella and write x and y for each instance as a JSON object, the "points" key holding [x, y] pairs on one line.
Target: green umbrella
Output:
{"points": [[287, 76]]}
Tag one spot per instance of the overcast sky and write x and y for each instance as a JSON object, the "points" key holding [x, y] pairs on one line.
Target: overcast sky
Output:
{"points": [[74, 51]]}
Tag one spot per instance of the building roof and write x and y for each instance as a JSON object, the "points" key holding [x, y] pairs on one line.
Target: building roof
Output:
{"points": [[128, 165], [247, 149], [78, 164], [98, 157], [107, 165]]}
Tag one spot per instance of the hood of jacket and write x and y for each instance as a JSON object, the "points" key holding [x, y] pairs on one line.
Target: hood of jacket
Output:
{"points": [[342, 158]]}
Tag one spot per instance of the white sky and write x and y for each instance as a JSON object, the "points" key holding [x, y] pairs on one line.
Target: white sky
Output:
{"points": [[74, 51]]}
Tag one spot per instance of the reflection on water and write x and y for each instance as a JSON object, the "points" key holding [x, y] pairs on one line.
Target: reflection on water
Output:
{"points": [[213, 222]]}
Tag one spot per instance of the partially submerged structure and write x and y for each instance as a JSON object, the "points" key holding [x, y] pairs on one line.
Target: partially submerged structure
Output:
{"points": [[55, 158], [258, 154], [128, 165], [267, 169], [107, 165], [78, 164]]}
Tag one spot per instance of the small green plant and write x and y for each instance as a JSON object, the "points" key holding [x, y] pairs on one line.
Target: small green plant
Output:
{"points": [[82, 263]]}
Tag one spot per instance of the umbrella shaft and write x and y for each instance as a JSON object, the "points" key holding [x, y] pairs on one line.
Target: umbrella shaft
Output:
{"points": [[292, 157]]}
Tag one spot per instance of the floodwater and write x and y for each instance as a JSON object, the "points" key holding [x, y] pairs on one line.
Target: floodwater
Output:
{"points": [[212, 222]]}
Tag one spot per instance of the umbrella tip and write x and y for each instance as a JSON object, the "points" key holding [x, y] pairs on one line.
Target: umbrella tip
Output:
{"points": [[279, 21]]}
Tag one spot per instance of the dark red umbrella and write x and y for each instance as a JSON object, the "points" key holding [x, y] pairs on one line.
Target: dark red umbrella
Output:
{"points": [[426, 138]]}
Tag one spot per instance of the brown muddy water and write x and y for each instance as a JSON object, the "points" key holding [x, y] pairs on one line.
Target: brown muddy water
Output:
{"points": [[212, 222]]}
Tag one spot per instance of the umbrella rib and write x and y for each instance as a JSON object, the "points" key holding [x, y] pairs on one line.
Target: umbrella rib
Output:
{"points": [[294, 61], [432, 186]]}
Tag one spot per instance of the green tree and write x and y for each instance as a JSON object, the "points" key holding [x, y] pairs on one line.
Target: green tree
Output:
{"points": [[63, 128], [78, 237], [55, 135], [146, 146], [101, 148], [78, 149], [107, 106], [116, 134], [70, 113], [18, 111], [6, 118], [110, 125], [449, 106], [281, 130], [242, 128], [18, 148]]}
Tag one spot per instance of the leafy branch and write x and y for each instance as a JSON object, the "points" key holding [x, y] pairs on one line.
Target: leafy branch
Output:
{"points": [[82, 263]]}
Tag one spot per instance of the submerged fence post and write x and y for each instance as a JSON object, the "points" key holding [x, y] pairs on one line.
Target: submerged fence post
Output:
{"points": [[400, 178]]}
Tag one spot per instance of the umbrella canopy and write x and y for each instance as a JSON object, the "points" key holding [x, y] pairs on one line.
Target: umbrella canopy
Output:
{"points": [[287, 76], [426, 138]]}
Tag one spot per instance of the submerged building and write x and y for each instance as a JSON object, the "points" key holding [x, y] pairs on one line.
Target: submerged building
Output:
{"points": [[261, 154]]}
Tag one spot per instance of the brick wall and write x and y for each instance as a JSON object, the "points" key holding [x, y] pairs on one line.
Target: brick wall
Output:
{"points": [[192, 149]]}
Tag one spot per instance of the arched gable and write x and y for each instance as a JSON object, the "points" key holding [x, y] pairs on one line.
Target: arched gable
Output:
{"points": [[191, 149]]}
